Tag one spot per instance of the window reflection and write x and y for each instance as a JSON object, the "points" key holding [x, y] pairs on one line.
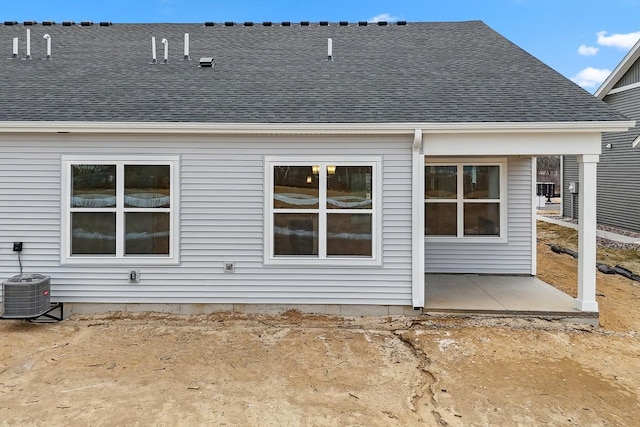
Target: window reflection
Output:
{"points": [[481, 219], [349, 234], [147, 186], [93, 233], [349, 187], [93, 186], [147, 233], [440, 219], [295, 234], [481, 182], [441, 182], [295, 187]]}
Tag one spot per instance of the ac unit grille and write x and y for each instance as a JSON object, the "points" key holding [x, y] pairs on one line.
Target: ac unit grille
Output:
{"points": [[22, 299]]}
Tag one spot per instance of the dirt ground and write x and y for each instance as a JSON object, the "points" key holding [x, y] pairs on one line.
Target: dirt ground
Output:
{"points": [[243, 370]]}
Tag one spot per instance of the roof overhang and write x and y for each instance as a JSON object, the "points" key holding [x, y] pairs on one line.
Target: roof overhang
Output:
{"points": [[624, 65], [31, 127]]}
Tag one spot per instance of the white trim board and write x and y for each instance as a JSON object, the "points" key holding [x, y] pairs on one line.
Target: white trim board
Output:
{"points": [[309, 128]]}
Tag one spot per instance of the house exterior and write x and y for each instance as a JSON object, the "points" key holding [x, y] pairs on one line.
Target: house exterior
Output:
{"points": [[322, 166], [618, 173]]}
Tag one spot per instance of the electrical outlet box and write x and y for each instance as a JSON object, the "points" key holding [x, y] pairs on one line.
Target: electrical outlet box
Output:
{"points": [[573, 187], [134, 276], [17, 246], [229, 267]]}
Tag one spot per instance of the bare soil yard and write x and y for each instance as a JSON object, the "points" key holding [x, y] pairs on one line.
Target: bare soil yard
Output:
{"points": [[236, 370]]}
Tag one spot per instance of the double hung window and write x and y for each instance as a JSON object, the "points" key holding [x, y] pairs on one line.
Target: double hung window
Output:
{"points": [[322, 211], [116, 209], [465, 199]]}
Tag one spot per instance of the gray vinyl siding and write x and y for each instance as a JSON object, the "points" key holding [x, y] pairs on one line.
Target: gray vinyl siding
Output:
{"points": [[619, 168], [569, 174], [618, 192], [221, 213], [512, 257], [630, 77]]}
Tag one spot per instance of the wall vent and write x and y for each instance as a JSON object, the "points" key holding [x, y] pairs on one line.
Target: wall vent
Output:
{"points": [[68, 23], [209, 24], [206, 62]]}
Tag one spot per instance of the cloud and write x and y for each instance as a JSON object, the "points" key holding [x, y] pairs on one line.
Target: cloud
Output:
{"points": [[383, 17], [621, 41], [591, 77], [587, 50]]}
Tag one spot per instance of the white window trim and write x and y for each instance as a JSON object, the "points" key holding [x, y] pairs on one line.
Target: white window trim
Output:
{"points": [[502, 163], [376, 221], [65, 230]]}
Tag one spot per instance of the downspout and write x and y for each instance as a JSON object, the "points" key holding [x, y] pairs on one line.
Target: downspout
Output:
{"points": [[417, 223]]}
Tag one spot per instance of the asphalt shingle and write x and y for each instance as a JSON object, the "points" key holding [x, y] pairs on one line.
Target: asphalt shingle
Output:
{"points": [[419, 72]]}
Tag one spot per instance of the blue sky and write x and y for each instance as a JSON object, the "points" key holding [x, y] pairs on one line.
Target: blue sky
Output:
{"points": [[582, 39]]}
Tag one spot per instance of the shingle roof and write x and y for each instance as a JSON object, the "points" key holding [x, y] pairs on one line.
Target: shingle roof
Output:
{"points": [[419, 72]]}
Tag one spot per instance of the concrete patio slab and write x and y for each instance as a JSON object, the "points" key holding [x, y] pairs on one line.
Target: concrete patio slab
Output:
{"points": [[488, 294]]}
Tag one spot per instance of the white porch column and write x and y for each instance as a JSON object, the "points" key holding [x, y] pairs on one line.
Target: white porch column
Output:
{"points": [[587, 245], [417, 222]]}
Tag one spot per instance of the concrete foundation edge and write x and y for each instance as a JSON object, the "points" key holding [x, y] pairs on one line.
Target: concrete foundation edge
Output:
{"points": [[273, 309]]}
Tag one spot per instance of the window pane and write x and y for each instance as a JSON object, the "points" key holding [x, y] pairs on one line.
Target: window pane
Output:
{"points": [[440, 219], [295, 234], [441, 182], [93, 186], [349, 234], [147, 186], [147, 233], [349, 187], [482, 219], [482, 182], [295, 187], [93, 233]]}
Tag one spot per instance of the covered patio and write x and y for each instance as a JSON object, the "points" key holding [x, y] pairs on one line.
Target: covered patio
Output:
{"points": [[496, 294]]}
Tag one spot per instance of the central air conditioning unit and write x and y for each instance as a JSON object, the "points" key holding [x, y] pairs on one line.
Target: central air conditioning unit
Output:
{"points": [[26, 296]]}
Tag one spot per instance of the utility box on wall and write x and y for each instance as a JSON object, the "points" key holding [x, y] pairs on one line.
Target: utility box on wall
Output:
{"points": [[573, 187]]}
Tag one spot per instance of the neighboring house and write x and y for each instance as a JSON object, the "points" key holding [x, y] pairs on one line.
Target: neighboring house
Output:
{"points": [[296, 171], [618, 200]]}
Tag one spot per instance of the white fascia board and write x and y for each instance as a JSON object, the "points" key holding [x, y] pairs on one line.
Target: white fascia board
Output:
{"points": [[308, 128], [515, 144], [624, 65]]}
